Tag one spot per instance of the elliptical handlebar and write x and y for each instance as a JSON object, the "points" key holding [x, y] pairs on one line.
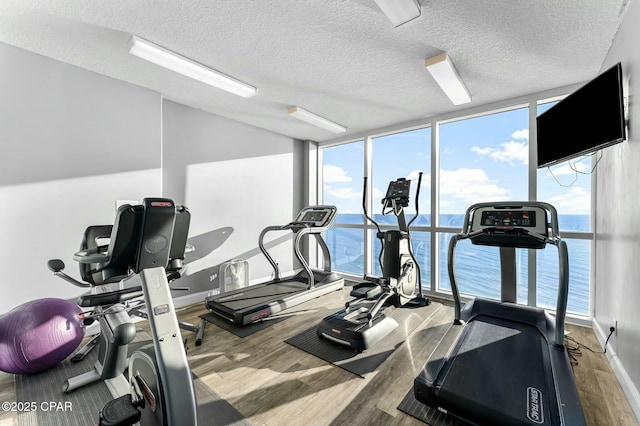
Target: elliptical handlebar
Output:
{"points": [[417, 197], [364, 205], [366, 214]]}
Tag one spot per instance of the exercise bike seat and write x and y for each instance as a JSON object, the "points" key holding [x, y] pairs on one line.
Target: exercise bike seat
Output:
{"points": [[108, 294]]}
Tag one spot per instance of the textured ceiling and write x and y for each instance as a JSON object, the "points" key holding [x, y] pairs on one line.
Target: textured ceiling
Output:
{"points": [[341, 59]]}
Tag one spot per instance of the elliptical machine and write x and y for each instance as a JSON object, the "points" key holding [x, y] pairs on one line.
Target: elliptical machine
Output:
{"points": [[364, 320], [141, 240]]}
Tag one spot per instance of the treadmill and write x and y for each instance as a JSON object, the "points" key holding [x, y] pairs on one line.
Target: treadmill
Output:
{"points": [[500, 362], [250, 304]]}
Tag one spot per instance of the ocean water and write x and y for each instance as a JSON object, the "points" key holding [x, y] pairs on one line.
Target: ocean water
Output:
{"points": [[477, 267]]}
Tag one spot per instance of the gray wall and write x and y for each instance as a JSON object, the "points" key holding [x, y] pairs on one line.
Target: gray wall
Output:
{"points": [[617, 269], [73, 142], [236, 180]]}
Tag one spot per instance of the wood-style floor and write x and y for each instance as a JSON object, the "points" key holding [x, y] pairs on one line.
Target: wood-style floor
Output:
{"points": [[274, 383]]}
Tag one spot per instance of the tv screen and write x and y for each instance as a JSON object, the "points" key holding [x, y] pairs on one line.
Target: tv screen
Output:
{"points": [[589, 119]]}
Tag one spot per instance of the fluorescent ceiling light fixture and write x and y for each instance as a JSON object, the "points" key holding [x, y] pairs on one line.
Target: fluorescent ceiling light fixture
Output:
{"points": [[316, 120], [399, 11], [445, 74], [174, 62]]}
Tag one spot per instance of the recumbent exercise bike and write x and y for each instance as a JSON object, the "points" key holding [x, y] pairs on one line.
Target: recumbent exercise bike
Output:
{"points": [[139, 248]]}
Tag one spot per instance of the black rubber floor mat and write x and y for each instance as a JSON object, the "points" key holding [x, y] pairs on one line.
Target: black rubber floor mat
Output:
{"points": [[369, 360], [242, 331]]}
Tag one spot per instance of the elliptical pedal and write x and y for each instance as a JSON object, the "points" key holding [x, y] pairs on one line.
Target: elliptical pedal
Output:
{"points": [[366, 291], [119, 412]]}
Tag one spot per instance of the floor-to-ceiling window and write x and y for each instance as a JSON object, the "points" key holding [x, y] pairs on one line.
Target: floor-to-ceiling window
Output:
{"points": [[342, 176], [464, 160], [484, 158], [403, 155], [567, 186]]}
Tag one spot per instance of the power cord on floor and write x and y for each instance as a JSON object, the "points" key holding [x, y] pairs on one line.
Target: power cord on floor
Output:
{"points": [[574, 350]]}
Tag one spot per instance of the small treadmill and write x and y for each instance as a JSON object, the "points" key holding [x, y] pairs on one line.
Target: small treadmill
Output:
{"points": [[250, 304], [500, 362]]}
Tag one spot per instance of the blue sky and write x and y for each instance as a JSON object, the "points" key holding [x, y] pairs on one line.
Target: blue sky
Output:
{"points": [[481, 159]]}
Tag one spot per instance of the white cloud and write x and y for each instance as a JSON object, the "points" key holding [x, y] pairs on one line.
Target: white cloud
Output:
{"points": [[521, 134], [377, 193], [575, 201], [482, 151], [349, 193], [511, 152], [332, 174], [343, 193], [426, 178], [462, 187], [567, 170]]}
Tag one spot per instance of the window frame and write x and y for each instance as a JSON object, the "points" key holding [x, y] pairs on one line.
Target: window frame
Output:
{"points": [[435, 229]]}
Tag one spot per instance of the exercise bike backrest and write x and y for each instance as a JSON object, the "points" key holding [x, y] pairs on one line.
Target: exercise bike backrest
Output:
{"points": [[110, 247], [110, 261], [119, 251], [117, 267]]}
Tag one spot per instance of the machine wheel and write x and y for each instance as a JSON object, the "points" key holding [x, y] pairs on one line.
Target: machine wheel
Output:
{"points": [[143, 371]]}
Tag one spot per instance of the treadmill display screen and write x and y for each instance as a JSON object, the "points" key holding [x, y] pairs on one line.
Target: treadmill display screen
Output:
{"points": [[316, 217], [511, 218]]}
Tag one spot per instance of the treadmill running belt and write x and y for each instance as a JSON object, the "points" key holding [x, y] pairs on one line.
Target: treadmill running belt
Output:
{"points": [[498, 374], [260, 295]]}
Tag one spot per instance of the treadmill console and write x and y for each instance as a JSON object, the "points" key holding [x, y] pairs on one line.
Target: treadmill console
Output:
{"points": [[519, 218], [512, 226], [317, 216], [398, 191]]}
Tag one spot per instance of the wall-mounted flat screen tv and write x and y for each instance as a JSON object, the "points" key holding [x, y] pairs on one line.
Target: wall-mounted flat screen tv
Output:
{"points": [[587, 120]]}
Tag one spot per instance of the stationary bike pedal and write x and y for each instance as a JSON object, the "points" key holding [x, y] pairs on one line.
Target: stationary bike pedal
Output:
{"points": [[82, 353], [119, 412], [79, 356]]}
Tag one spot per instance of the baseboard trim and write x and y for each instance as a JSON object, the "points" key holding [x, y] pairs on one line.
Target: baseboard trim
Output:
{"points": [[628, 387]]}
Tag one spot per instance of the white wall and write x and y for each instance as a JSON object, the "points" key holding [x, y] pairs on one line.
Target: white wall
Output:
{"points": [[73, 142], [617, 286], [236, 180]]}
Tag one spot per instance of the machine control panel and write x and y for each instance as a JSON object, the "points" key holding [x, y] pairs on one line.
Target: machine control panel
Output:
{"points": [[531, 218], [398, 191], [317, 216], [509, 218]]}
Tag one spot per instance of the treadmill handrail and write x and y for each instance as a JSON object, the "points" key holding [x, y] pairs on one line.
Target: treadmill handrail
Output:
{"points": [[264, 251], [301, 228], [300, 257]]}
